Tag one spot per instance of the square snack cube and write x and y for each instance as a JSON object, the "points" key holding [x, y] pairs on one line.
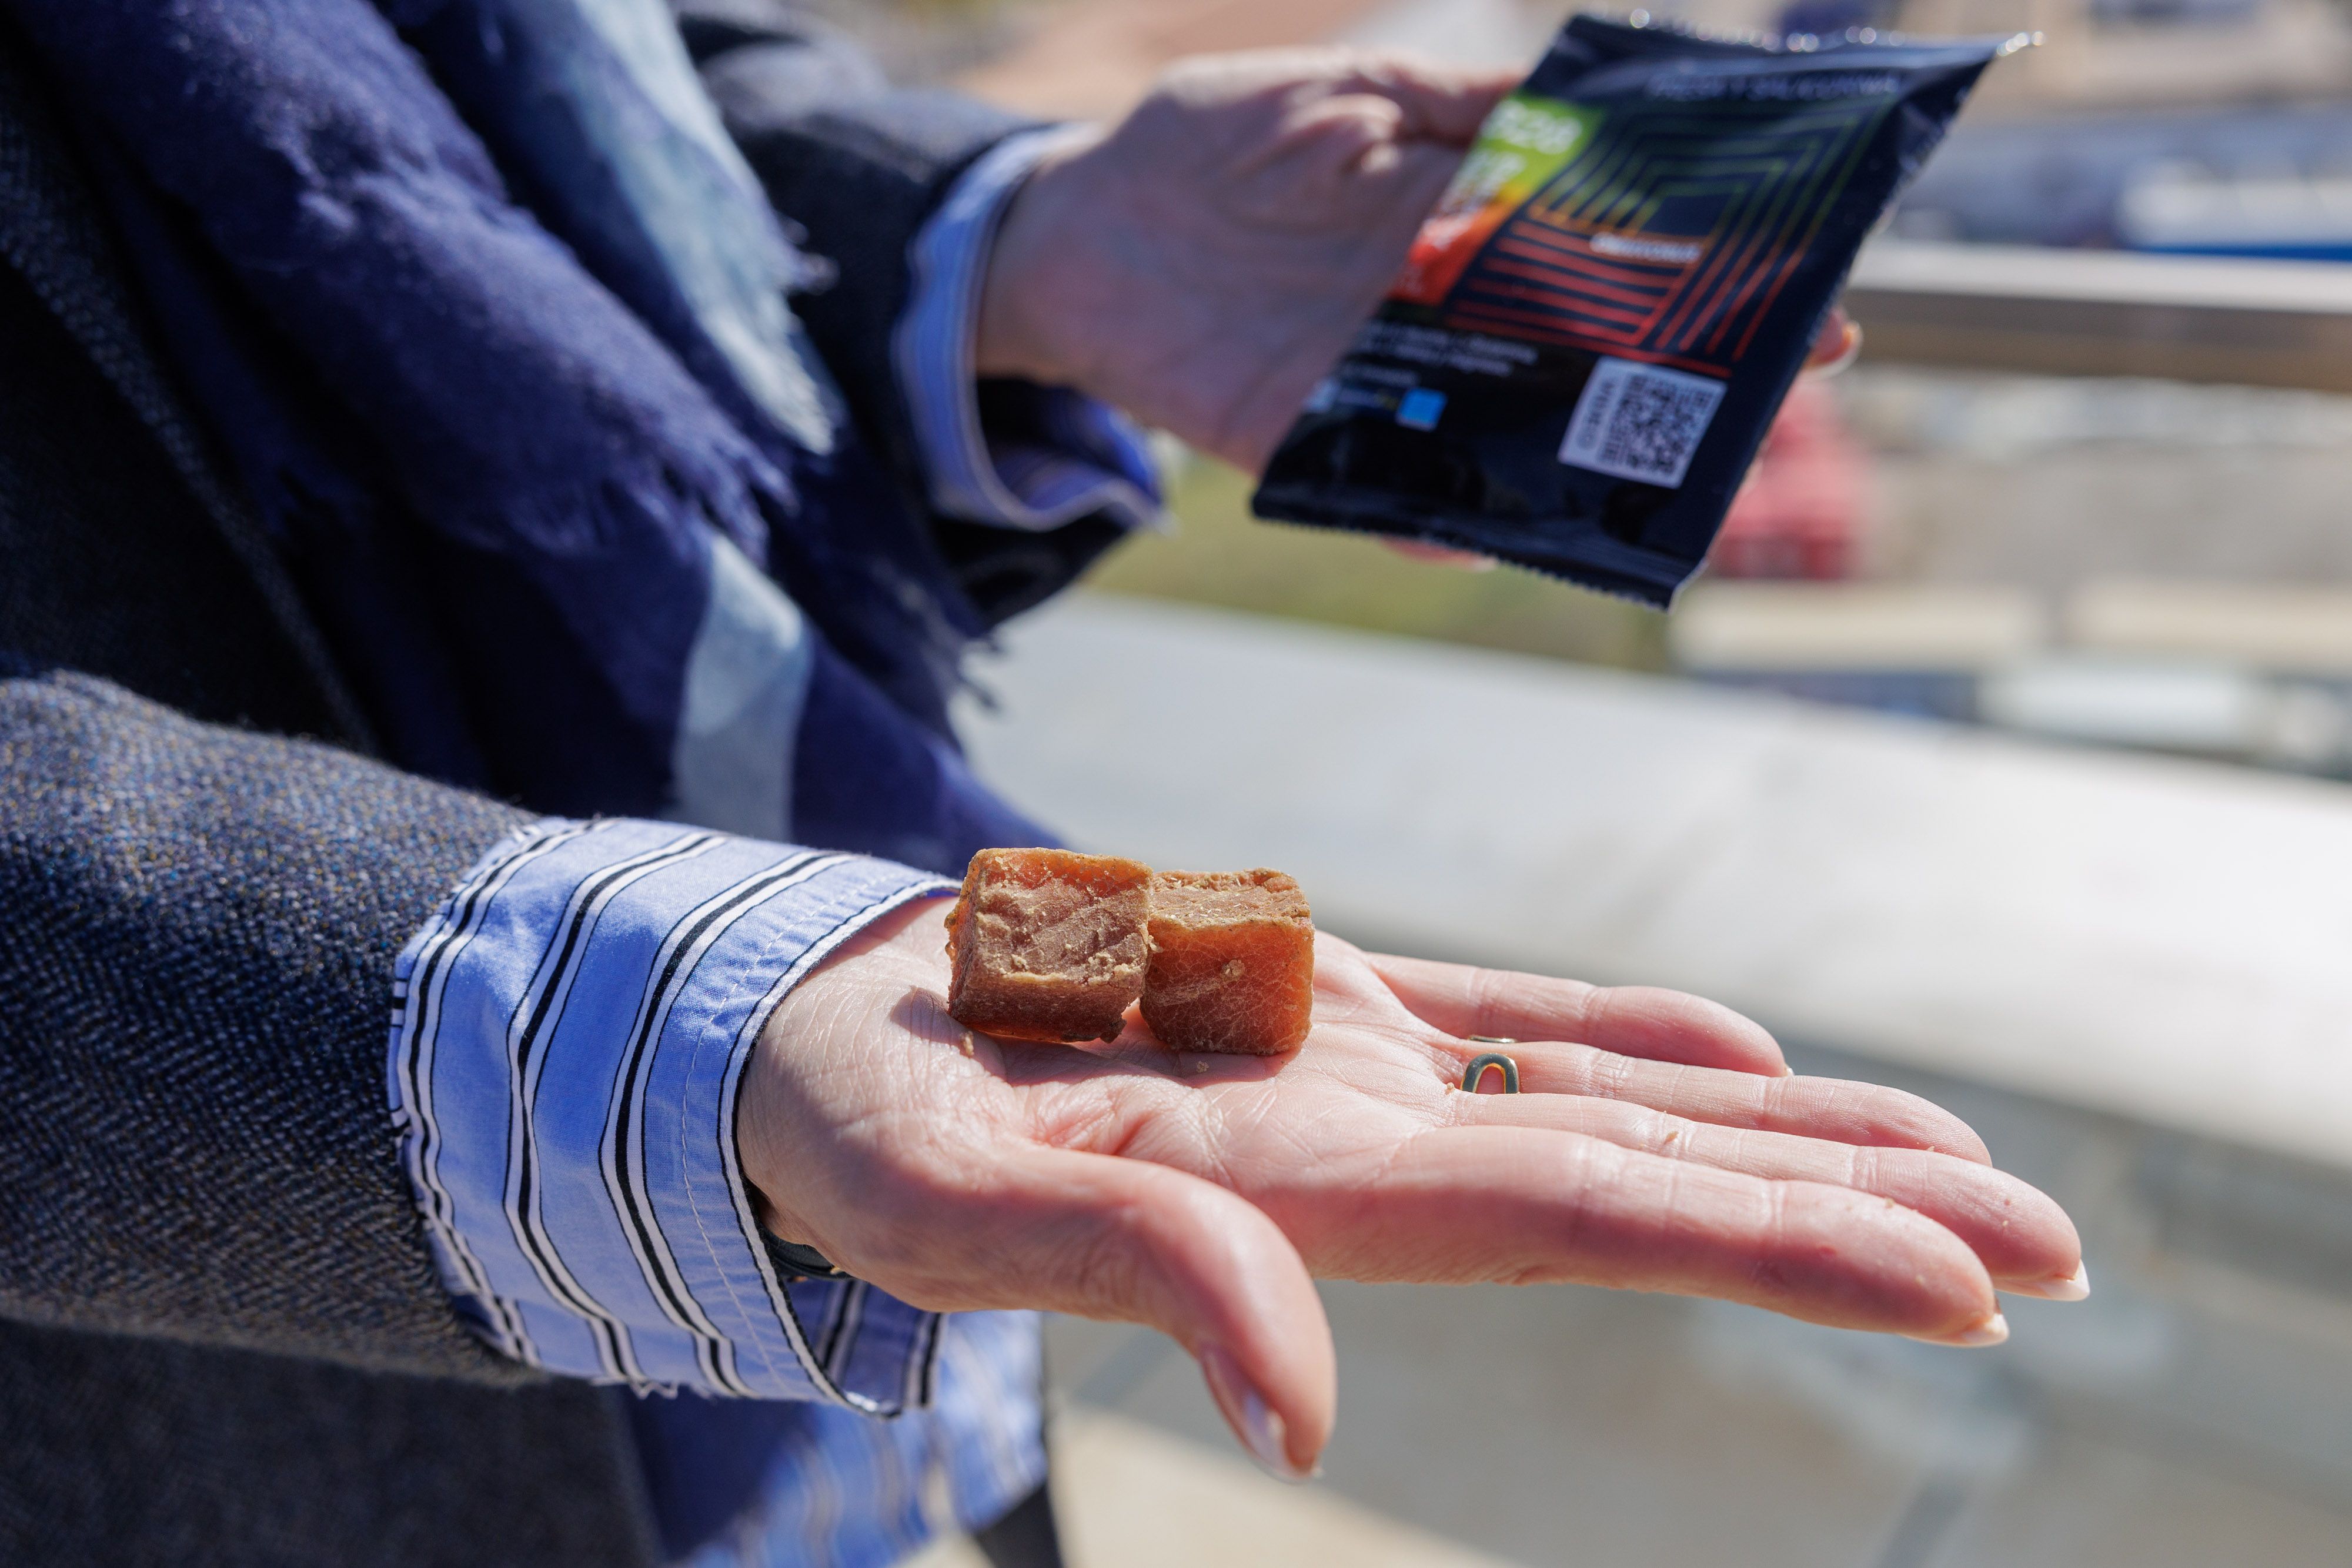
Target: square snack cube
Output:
{"points": [[1233, 962], [1048, 944]]}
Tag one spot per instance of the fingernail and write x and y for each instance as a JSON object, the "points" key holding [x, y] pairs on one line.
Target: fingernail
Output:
{"points": [[1993, 1330], [1847, 355], [2073, 1288], [1253, 1421]]}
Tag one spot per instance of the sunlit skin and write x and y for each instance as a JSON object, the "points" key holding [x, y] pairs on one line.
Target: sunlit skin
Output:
{"points": [[1204, 262], [1201, 265], [1659, 1144]]}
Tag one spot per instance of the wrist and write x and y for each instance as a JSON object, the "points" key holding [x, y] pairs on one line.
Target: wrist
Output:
{"points": [[787, 1139], [1033, 266]]}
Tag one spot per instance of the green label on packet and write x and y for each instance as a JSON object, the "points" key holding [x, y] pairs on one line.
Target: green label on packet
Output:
{"points": [[1580, 355], [1526, 142]]}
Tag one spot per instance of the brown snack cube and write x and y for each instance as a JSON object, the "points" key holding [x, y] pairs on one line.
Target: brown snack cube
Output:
{"points": [[1233, 962], [1048, 944]]}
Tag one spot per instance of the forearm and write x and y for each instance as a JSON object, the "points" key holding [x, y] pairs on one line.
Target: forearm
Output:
{"points": [[199, 929], [567, 1051]]}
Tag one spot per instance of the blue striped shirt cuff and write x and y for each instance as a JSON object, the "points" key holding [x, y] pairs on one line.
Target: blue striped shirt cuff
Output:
{"points": [[569, 1033], [1034, 457]]}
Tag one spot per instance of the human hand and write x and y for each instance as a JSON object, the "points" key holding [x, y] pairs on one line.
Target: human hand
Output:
{"points": [[1206, 261], [1665, 1149]]}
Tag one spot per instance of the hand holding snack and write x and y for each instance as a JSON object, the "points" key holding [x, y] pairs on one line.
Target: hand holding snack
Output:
{"points": [[1203, 264], [1658, 1144], [1577, 360]]}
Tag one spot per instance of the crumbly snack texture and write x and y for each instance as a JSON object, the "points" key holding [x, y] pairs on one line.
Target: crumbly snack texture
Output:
{"points": [[1048, 944], [1233, 962]]}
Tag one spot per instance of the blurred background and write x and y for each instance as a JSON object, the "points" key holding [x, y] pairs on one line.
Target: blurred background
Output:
{"points": [[2002, 754]]}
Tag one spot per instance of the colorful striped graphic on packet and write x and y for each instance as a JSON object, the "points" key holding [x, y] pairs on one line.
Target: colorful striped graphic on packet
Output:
{"points": [[1594, 327]]}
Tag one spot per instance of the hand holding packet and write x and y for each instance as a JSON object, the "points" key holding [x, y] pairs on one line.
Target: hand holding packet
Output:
{"points": [[1592, 331]]}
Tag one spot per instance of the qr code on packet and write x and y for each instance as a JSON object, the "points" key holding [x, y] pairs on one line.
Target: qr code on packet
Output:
{"points": [[1639, 422]]}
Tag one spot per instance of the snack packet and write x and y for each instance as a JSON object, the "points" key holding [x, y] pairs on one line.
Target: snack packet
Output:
{"points": [[1592, 331]]}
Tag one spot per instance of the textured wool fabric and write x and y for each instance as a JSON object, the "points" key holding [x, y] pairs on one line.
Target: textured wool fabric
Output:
{"points": [[191, 911], [136, 458], [520, 402], [494, 648], [178, 1451], [140, 1453], [524, 420], [233, 903], [156, 600]]}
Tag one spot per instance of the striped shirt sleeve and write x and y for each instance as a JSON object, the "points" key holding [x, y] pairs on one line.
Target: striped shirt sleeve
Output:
{"points": [[569, 1033], [1007, 454]]}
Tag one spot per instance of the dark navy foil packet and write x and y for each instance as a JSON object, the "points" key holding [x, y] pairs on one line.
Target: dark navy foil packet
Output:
{"points": [[1594, 328]]}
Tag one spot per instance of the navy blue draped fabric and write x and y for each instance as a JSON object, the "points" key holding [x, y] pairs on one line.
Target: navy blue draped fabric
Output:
{"points": [[496, 435]]}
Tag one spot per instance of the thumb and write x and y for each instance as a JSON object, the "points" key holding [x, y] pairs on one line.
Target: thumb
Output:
{"points": [[1440, 103], [1104, 1236]]}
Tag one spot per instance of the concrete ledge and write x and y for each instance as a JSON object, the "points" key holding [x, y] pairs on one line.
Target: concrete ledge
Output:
{"points": [[2106, 313], [1856, 626], [2289, 628]]}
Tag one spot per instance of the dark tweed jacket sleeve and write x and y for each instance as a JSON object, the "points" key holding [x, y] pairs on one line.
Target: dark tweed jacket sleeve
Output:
{"points": [[197, 928], [199, 920]]}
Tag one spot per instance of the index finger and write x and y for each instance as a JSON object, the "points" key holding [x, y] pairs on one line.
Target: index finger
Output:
{"points": [[1628, 1020]]}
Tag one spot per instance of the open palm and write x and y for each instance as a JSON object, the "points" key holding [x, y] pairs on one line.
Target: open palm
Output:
{"points": [[1659, 1145]]}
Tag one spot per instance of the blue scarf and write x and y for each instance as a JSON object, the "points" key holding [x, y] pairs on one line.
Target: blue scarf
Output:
{"points": [[504, 433], [516, 454], [518, 399]]}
